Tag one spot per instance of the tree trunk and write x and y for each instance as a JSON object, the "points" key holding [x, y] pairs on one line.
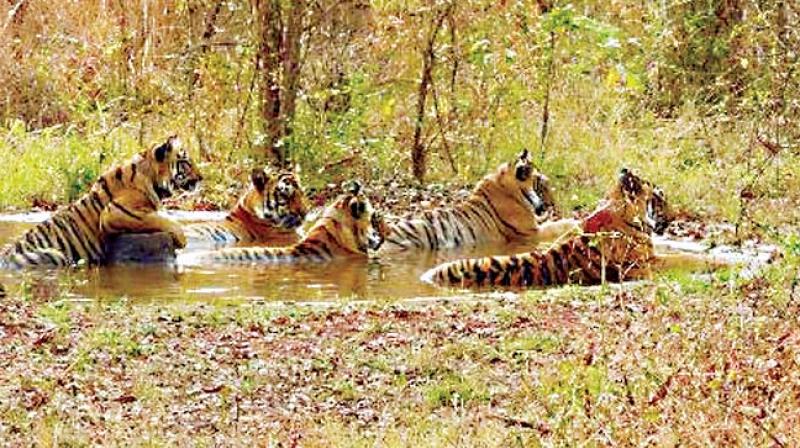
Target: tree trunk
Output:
{"points": [[418, 150], [196, 58], [282, 31], [291, 70], [14, 22], [269, 12]]}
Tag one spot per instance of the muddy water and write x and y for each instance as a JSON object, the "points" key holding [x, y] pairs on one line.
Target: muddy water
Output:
{"points": [[390, 277]]}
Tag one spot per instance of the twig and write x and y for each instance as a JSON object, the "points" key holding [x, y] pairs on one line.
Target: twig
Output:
{"points": [[661, 393], [243, 116], [343, 161], [443, 129], [548, 86], [208, 33], [515, 421], [525, 424], [451, 21], [12, 15]]}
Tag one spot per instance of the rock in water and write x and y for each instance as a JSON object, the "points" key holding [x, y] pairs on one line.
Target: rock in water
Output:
{"points": [[140, 248]]}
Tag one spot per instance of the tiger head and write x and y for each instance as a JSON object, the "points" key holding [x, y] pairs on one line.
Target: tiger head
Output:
{"points": [[632, 203], [285, 201], [530, 185], [518, 193], [187, 176], [356, 226], [277, 199], [541, 185], [173, 168]]}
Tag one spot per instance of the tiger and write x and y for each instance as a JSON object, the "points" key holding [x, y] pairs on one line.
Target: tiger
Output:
{"points": [[124, 199], [349, 227], [510, 204], [271, 210], [614, 244]]}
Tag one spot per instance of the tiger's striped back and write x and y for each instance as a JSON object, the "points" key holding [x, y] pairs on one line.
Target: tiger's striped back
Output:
{"points": [[614, 245], [269, 212], [71, 234], [586, 259], [347, 228], [505, 206], [239, 226]]}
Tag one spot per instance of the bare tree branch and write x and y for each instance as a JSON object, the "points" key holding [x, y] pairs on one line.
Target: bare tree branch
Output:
{"points": [[418, 150]]}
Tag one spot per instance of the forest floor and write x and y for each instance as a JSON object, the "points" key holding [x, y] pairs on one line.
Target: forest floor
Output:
{"points": [[717, 363]]}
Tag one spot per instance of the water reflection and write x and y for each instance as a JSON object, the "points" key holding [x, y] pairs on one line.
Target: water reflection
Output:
{"points": [[390, 277]]}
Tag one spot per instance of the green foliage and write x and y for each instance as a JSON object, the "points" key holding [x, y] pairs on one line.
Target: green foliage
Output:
{"points": [[55, 165], [455, 391], [683, 91]]}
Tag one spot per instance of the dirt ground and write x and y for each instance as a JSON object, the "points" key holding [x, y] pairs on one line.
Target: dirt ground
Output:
{"points": [[708, 363]]}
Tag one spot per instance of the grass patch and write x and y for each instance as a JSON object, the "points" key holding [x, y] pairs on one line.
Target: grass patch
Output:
{"points": [[456, 391]]}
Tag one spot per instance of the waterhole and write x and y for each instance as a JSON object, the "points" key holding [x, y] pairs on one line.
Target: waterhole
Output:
{"points": [[390, 277]]}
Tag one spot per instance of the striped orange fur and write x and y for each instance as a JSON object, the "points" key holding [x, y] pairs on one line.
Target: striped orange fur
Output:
{"points": [[347, 228], [507, 205], [270, 211], [125, 199], [614, 244]]}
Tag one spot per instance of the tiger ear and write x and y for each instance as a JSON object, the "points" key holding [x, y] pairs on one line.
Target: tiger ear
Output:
{"points": [[162, 151], [354, 187], [524, 168], [259, 179], [172, 143], [523, 171], [357, 207]]}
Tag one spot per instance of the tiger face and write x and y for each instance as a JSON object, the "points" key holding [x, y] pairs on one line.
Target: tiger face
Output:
{"points": [[278, 199], [541, 185], [186, 176], [658, 215], [525, 185], [286, 203], [173, 168], [359, 224], [635, 203]]}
